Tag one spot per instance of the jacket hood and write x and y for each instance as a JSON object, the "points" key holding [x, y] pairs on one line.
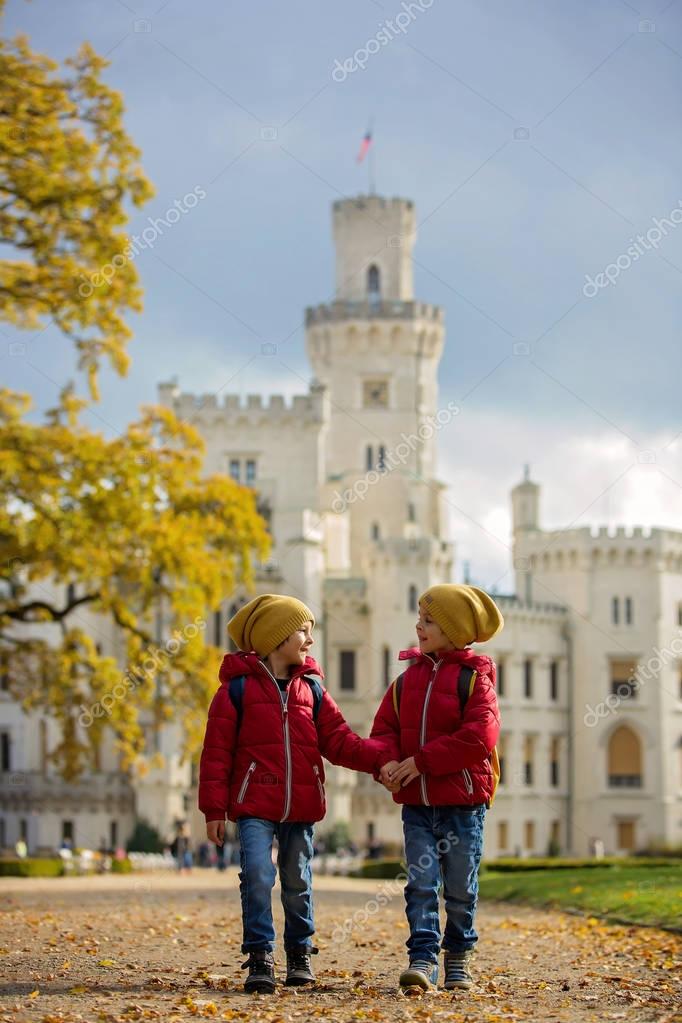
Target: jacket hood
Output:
{"points": [[480, 663], [241, 663]]}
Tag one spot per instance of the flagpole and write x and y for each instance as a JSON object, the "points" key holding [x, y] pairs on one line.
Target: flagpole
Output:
{"points": [[370, 161]]}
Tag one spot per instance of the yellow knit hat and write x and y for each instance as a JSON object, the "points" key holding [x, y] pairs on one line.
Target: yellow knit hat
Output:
{"points": [[266, 621], [465, 613]]}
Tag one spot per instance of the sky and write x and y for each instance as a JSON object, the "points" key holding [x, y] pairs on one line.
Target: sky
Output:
{"points": [[538, 139]]}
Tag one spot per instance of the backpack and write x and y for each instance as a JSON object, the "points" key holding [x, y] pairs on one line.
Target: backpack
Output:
{"points": [[465, 687], [236, 691]]}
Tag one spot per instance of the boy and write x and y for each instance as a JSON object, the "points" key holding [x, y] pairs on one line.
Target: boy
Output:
{"points": [[269, 725], [445, 780]]}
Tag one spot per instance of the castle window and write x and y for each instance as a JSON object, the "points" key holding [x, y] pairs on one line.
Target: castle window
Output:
{"points": [[625, 835], [113, 834], [502, 757], [529, 835], [412, 512], [625, 759], [250, 471], [4, 674], [232, 646], [628, 611], [375, 393], [369, 457], [554, 681], [381, 460], [679, 614], [555, 833], [5, 752], [554, 761], [386, 658], [615, 610], [70, 593], [374, 285], [412, 602], [528, 754], [347, 670], [217, 628], [623, 679], [502, 836], [500, 678], [235, 469], [528, 678], [375, 531]]}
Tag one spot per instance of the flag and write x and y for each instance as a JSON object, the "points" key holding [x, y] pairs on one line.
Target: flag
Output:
{"points": [[364, 145]]}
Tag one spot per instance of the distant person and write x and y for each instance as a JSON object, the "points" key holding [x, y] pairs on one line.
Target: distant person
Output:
{"points": [[183, 849]]}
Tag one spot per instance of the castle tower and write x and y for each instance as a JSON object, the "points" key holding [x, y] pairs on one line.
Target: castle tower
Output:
{"points": [[374, 238], [376, 351]]}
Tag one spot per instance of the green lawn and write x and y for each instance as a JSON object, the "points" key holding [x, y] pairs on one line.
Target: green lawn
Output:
{"points": [[650, 895]]}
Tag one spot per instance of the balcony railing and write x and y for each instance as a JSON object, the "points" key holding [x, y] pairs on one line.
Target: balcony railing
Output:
{"points": [[625, 781], [386, 310]]}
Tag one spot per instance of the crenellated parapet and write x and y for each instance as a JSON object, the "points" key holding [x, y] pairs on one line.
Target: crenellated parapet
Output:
{"points": [[232, 410], [600, 547]]}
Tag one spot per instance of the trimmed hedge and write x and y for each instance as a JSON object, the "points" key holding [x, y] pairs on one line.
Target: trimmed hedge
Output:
{"points": [[121, 866], [388, 869], [391, 868], [31, 868], [550, 863]]}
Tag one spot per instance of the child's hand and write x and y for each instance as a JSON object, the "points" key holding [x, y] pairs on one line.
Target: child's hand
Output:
{"points": [[215, 831], [386, 776], [405, 772]]}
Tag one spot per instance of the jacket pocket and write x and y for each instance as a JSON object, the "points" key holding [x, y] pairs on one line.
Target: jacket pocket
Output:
{"points": [[319, 782], [467, 781], [245, 783]]}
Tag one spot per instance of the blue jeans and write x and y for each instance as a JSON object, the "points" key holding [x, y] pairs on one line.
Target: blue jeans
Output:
{"points": [[257, 877], [443, 848]]}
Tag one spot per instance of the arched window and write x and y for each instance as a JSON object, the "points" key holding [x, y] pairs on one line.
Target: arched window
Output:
{"points": [[231, 645], [412, 602], [625, 759], [373, 285], [369, 458], [375, 531]]}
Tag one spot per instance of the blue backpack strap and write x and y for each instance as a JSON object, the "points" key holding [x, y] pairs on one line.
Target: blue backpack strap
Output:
{"points": [[317, 691], [465, 685], [397, 692], [237, 696], [236, 690]]}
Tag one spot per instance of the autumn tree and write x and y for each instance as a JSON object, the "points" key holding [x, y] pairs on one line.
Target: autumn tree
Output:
{"points": [[98, 536]]}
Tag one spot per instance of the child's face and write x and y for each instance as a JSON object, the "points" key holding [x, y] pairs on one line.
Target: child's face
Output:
{"points": [[430, 635], [295, 648]]}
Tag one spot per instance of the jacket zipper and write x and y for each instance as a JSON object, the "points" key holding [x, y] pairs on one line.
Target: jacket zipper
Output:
{"points": [[245, 783], [287, 744], [422, 733], [467, 781], [319, 781]]}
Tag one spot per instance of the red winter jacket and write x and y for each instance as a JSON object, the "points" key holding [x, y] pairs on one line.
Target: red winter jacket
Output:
{"points": [[272, 766], [450, 750]]}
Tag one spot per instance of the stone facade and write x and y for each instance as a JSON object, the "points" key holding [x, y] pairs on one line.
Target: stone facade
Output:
{"points": [[346, 478]]}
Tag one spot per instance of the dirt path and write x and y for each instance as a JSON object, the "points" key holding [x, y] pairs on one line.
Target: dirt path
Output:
{"points": [[111, 949]]}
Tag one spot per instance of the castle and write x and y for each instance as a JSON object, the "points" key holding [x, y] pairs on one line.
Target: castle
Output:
{"points": [[589, 661]]}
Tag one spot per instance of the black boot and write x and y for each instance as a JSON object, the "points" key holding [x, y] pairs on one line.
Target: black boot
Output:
{"points": [[299, 970], [261, 978]]}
